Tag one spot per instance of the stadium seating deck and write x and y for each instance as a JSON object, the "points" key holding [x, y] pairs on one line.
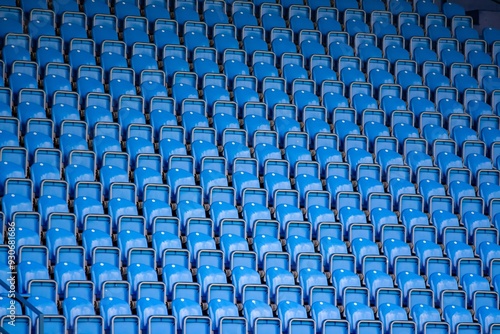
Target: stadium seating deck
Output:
{"points": [[286, 166]]}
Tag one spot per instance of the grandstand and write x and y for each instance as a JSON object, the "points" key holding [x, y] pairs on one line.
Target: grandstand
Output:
{"points": [[286, 166]]}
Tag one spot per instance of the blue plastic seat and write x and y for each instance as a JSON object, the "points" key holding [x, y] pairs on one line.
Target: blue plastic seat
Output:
{"points": [[336, 184], [222, 210], [242, 95], [271, 21], [254, 310], [456, 316], [349, 4], [187, 210], [74, 307], [232, 243], [387, 158], [378, 77], [241, 278], [138, 273], [361, 102], [13, 52], [201, 149], [477, 162], [394, 248], [323, 312], [435, 32], [342, 279], [394, 53], [15, 26], [191, 120], [488, 252], [296, 245], [446, 160], [391, 316], [429, 188], [403, 132], [42, 304], [210, 178], [288, 311], [189, 316], [41, 27], [144, 176], [330, 246], [451, 9], [183, 14], [439, 283], [178, 177], [357, 156], [65, 272], [328, 24], [48, 204], [427, 251], [148, 309], [368, 186], [407, 78], [378, 283], [423, 54], [170, 147], [358, 314], [473, 220], [337, 49], [463, 33], [274, 182], [173, 274], [28, 271], [207, 276], [407, 281], [488, 317], [457, 250], [243, 180], [62, 6], [277, 277], [194, 39], [110, 307], [426, 315], [74, 173], [9, 170], [354, 26], [281, 45], [218, 310], [93, 7], [45, 55], [28, 110], [162, 36], [351, 74], [375, 5], [101, 33], [477, 58], [163, 240], [391, 103], [233, 151], [137, 145], [458, 190], [102, 272], [450, 56], [105, 144], [273, 96], [380, 217], [333, 100], [362, 249], [253, 43], [127, 117], [19, 81]]}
